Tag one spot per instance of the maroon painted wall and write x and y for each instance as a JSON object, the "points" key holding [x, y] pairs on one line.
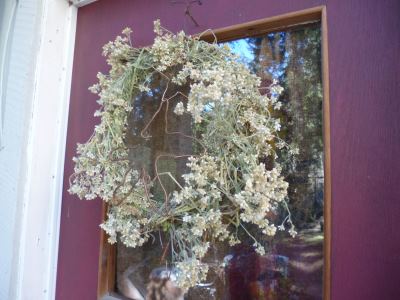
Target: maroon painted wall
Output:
{"points": [[364, 65]]}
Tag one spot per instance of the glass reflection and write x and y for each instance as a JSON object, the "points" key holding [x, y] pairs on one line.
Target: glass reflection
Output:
{"points": [[292, 269]]}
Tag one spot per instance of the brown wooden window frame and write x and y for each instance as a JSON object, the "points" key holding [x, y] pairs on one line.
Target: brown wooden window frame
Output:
{"points": [[107, 257]]}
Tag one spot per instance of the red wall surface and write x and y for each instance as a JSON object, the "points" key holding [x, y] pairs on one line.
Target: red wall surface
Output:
{"points": [[364, 77]]}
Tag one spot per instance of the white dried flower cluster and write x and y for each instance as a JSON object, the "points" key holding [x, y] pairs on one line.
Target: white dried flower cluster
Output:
{"points": [[192, 271], [179, 109], [227, 186], [258, 198]]}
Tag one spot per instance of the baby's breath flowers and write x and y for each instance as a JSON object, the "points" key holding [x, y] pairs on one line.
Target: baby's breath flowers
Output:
{"points": [[233, 181]]}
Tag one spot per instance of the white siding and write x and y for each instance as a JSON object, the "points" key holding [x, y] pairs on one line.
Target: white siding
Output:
{"points": [[17, 107], [31, 161], [7, 16]]}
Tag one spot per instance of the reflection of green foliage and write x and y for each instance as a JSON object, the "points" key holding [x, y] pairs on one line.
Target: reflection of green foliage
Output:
{"points": [[304, 91], [294, 58]]}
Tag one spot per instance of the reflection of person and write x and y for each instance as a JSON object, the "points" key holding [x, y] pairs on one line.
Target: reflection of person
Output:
{"points": [[161, 285], [241, 270], [125, 285], [251, 276]]}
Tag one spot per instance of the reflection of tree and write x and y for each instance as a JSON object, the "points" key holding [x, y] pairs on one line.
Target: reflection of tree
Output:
{"points": [[294, 58]]}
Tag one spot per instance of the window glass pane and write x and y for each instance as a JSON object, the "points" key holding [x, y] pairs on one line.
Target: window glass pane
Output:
{"points": [[292, 268], [294, 58]]}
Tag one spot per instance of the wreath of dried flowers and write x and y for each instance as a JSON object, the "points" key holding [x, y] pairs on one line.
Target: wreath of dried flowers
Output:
{"points": [[227, 187]]}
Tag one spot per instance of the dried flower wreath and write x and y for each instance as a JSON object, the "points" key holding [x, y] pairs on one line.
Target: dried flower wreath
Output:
{"points": [[228, 185]]}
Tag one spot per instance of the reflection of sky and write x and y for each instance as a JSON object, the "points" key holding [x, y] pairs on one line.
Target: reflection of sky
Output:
{"points": [[243, 48]]}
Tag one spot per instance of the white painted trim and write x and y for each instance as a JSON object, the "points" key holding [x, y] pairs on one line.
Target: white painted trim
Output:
{"points": [[80, 3], [63, 126], [44, 165]]}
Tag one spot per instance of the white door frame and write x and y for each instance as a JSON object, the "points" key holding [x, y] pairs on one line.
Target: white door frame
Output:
{"points": [[34, 262]]}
